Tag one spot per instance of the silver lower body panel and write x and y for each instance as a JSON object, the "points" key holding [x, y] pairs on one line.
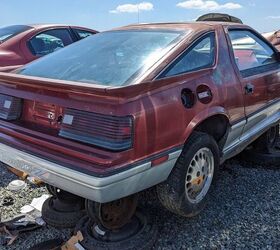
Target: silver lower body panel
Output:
{"points": [[99, 189]]}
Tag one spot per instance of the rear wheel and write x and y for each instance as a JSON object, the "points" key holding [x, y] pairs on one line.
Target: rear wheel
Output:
{"points": [[186, 190]]}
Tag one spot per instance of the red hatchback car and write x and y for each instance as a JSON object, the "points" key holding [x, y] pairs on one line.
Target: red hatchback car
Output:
{"points": [[140, 106], [21, 44]]}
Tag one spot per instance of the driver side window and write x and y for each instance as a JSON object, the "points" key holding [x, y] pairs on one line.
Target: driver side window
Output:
{"points": [[250, 51]]}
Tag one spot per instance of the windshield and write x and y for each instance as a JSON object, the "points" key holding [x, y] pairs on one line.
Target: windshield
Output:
{"points": [[10, 31], [110, 58]]}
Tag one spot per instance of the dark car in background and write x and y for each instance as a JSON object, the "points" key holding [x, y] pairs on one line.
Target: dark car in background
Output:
{"points": [[21, 44]]}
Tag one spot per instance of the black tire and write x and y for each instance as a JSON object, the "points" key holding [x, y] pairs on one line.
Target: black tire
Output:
{"points": [[269, 160], [267, 142], [60, 219], [172, 193], [143, 239]]}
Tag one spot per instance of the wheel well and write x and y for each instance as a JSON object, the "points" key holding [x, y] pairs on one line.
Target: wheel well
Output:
{"points": [[216, 126]]}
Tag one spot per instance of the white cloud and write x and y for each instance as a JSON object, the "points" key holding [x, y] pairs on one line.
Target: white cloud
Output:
{"points": [[207, 5], [132, 8], [273, 17]]}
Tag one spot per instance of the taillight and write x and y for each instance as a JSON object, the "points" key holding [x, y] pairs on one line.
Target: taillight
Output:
{"points": [[10, 107], [105, 131]]}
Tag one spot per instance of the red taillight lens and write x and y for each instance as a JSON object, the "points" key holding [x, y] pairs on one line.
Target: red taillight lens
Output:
{"points": [[10, 107], [109, 132]]}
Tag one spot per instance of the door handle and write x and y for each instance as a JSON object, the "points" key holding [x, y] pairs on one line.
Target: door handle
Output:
{"points": [[249, 88]]}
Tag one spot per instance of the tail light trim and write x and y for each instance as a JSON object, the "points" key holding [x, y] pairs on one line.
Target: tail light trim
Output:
{"points": [[10, 107], [109, 132]]}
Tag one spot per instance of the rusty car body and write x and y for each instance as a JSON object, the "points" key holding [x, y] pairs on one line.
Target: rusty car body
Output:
{"points": [[119, 123]]}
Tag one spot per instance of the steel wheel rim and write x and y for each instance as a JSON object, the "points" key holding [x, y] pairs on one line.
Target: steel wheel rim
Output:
{"points": [[199, 175]]}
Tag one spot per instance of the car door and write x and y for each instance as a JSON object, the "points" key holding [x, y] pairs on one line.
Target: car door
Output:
{"points": [[46, 42], [258, 67]]}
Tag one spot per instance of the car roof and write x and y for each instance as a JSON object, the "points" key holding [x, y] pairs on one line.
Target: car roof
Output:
{"points": [[180, 25], [48, 25]]}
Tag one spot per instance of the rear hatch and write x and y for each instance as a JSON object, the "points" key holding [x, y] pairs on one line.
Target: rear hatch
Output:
{"points": [[74, 124]]}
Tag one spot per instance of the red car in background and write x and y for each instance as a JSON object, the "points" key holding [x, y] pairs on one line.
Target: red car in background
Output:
{"points": [[21, 44]]}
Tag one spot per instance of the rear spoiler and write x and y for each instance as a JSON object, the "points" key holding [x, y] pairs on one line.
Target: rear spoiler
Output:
{"points": [[124, 93], [61, 85]]}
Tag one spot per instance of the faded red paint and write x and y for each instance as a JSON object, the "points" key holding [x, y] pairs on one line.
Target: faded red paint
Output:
{"points": [[161, 121]]}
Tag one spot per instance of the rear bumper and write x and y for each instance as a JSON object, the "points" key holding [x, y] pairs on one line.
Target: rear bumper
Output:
{"points": [[99, 189]]}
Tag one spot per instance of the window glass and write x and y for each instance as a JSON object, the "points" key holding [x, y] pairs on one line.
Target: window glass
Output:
{"points": [[249, 50], [200, 55], [111, 58], [83, 33], [10, 31], [50, 41]]}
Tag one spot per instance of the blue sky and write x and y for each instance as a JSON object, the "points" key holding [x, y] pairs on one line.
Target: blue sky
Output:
{"points": [[106, 14]]}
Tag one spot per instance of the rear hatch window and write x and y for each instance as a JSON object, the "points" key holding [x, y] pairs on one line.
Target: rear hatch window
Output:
{"points": [[112, 58], [10, 31]]}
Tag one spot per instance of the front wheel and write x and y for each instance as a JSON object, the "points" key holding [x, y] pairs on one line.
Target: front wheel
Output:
{"points": [[267, 142], [186, 190]]}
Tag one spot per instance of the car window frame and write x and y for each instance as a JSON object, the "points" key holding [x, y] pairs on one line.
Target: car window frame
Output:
{"points": [[256, 70], [75, 31], [196, 41], [29, 46]]}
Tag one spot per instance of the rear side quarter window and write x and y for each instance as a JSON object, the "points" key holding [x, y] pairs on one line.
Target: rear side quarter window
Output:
{"points": [[200, 55]]}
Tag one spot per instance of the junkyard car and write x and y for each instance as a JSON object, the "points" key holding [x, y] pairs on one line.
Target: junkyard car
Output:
{"points": [[140, 106], [21, 44]]}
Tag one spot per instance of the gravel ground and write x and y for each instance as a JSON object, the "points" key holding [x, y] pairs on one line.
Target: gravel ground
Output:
{"points": [[244, 213]]}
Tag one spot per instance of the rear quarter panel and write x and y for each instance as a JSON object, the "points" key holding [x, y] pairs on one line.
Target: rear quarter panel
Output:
{"points": [[161, 120]]}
